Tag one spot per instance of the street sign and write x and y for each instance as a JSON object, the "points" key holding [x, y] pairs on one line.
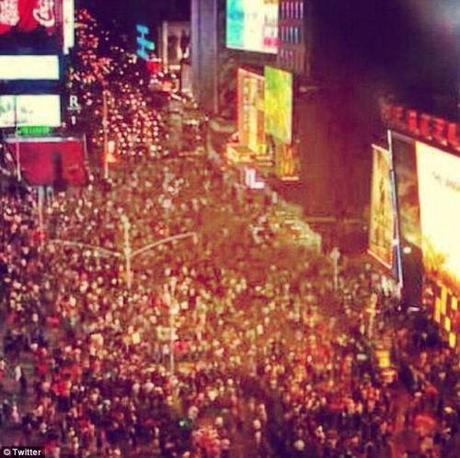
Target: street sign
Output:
{"points": [[31, 131]]}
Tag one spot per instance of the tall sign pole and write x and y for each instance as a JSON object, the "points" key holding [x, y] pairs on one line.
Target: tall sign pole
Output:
{"points": [[106, 134], [127, 250]]}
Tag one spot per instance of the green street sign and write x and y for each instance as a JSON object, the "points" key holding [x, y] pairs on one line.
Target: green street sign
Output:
{"points": [[27, 131]]}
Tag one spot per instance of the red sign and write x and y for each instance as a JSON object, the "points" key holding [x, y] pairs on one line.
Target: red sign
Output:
{"points": [[421, 125], [48, 161], [28, 15]]}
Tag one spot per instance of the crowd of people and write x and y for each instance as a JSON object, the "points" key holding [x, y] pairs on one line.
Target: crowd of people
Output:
{"points": [[217, 344]]}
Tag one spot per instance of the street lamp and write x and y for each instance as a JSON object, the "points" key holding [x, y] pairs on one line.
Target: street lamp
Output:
{"points": [[127, 252], [105, 125]]}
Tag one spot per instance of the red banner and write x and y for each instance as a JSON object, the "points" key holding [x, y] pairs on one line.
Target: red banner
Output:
{"points": [[49, 162], [28, 15]]}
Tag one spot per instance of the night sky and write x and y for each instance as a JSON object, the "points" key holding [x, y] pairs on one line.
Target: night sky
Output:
{"points": [[128, 10]]}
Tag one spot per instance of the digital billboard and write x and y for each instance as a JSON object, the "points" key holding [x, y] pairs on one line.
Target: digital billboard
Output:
{"points": [[382, 220], [251, 123], [287, 161], [30, 24], [405, 167], [278, 104], [30, 110], [252, 25], [50, 160], [29, 67], [439, 190]]}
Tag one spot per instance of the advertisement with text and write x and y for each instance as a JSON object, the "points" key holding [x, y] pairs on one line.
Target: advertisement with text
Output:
{"points": [[251, 128], [439, 188]]}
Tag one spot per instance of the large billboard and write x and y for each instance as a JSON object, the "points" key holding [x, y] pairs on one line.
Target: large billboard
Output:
{"points": [[251, 123], [382, 217], [405, 166], [278, 104], [34, 67], [408, 213], [30, 110], [30, 24], [439, 190], [50, 160], [252, 25]]}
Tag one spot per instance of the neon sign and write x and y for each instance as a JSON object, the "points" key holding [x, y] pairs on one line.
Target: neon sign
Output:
{"points": [[144, 45], [421, 125]]}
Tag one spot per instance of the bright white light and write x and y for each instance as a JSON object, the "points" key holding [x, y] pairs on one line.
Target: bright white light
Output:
{"points": [[29, 68], [30, 110]]}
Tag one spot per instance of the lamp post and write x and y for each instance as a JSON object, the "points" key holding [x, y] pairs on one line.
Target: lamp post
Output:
{"points": [[127, 249], [106, 134], [127, 254]]}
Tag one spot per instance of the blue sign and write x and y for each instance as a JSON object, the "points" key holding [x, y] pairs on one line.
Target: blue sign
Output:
{"points": [[145, 46]]}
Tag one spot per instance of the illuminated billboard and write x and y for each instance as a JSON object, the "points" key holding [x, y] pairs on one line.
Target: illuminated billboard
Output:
{"points": [[405, 167], [50, 160], [278, 104], [287, 160], [30, 110], [252, 25], [30, 24], [33, 67], [439, 190], [382, 220], [251, 124]]}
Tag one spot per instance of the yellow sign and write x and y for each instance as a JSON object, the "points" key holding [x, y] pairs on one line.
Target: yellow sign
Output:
{"points": [[381, 227], [251, 127]]}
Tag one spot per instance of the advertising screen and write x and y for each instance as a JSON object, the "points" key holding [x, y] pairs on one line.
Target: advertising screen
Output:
{"points": [[381, 226], [439, 189], [405, 166], [29, 68], [252, 25], [48, 160], [30, 24], [251, 123], [278, 104], [287, 162], [30, 110]]}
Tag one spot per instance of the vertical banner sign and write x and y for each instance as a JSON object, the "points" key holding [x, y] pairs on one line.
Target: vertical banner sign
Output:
{"points": [[278, 104], [381, 227], [68, 34], [287, 161], [251, 128], [145, 46]]}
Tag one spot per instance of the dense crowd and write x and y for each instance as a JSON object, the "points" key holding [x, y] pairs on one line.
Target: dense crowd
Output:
{"points": [[224, 344]]}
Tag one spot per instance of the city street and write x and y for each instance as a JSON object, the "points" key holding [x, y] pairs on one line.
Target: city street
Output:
{"points": [[166, 306]]}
